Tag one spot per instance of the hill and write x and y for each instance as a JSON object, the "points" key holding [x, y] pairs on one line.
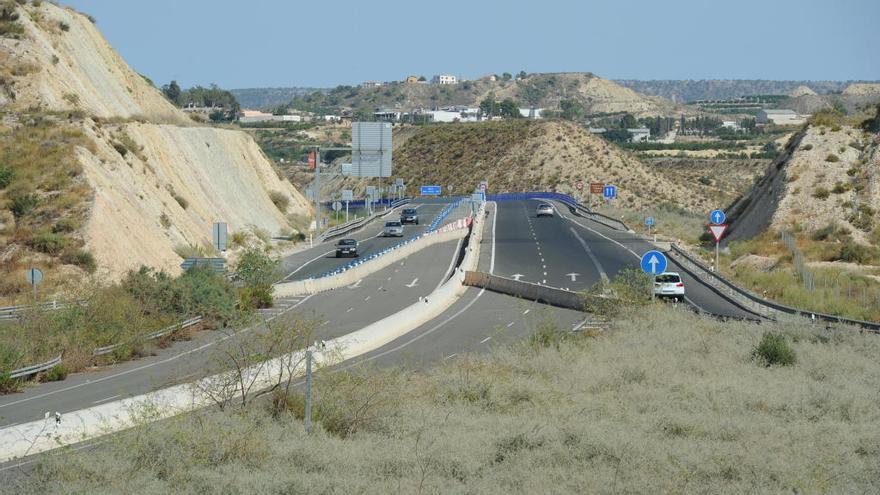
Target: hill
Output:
{"points": [[592, 93], [101, 171], [268, 98], [533, 155], [719, 89]]}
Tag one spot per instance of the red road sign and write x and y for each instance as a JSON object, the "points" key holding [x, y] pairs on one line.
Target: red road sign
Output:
{"points": [[718, 231], [579, 185], [597, 187], [312, 160]]}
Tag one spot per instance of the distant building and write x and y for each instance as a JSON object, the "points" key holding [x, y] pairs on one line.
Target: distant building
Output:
{"points": [[371, 84], [444, 79], [249, 116], [639, 134], [490, 77], [779, 117], [597, 130], [388, 114], [412, 79]]}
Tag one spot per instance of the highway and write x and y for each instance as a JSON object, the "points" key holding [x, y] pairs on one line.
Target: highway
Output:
{"points": [[563, 251]]}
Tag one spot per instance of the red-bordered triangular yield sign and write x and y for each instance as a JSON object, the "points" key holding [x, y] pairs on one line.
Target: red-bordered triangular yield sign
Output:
{"points": [[718, 231]]}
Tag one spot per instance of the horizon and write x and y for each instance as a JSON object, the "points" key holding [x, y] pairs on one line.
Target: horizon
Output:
{"points": [[251, 47]]}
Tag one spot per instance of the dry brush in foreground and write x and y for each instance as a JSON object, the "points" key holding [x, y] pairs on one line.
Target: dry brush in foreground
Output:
{"points": [[658, 404]]}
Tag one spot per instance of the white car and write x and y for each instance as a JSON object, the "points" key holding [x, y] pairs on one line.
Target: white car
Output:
{"points": [[669, 284], [393, 229], [544, 210]]}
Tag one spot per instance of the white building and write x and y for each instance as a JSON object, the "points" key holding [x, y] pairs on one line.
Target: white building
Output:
{"points": [[371, 84], [730, 124], [443, 116], [388, 114], [444, 79], [779, 117], [639, 134], [248, 116], [527, 113]]}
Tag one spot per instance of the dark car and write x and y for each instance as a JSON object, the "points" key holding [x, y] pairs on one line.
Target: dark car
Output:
{"points": [[347, 247], [409, 215]]}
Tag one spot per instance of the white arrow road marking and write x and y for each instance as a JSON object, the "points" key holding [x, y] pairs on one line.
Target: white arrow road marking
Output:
{"points": [[413, 283], [356, 284], [592, 256], [573, 276], [517, 276]]}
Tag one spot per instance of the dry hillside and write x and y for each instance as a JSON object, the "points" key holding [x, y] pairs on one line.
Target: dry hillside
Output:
{"points": [[146, 178], [530, 155]]}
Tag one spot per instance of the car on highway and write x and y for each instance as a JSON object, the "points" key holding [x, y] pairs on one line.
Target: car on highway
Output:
{"points": [[347, 247], [393, 229], [409, 215], [669, 285], [544, 210]]}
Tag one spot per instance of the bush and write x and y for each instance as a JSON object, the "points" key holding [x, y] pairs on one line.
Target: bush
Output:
{"points": [[830, 232], [164, 221], [808, 147], [49, 243], [251, 298], [255, 268], [64, 26], [855, 253], [774, 350], [55, 374], [280, 200], [832, 158], [23, 204], [840, 188], [64, 226], [6, 176], [821, 193], [81, 258]]}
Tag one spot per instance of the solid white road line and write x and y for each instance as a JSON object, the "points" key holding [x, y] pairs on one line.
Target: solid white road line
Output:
{"points": [[526, 311], [450, 356], [485, 340], [511, 324], [105, 400], [592, 256]]}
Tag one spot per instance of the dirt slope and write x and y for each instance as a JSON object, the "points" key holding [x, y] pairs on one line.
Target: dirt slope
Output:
{"points": [[158, 179], [528, 155]]}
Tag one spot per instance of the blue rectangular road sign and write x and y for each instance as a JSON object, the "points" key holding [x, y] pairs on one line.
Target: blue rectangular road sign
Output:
{"points": [[610, 192], [430, 191]]}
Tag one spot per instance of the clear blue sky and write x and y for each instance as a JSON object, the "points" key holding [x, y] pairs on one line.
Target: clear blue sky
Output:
{"points": [[260, 43]]}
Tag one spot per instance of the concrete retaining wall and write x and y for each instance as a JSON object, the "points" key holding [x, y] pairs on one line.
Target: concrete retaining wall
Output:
{"points": [[533, 292]]}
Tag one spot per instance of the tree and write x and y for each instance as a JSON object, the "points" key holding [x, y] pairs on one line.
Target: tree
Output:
{"points": [[532, 93], [509, 108], [571, 109], [522, 75], [506, 76], [172, 92], [489, 107], [628, 122], [422, 79], [617, 135]]}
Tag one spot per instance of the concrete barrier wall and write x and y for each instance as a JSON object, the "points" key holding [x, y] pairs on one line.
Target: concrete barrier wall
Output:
{"points": [[43, 435], [533, 292]]}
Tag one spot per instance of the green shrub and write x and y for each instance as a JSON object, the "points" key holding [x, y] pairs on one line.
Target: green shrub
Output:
{"points": [[164, 221], [8, 384], [6, 176], [832, 158], [852, 171], [830, 232], [808, 147], [774, 350], [840, 188], [280, 200], [55, 374], [49, 243], [256, 297], [855, 253], [23, 204], [255, 268], [81, 258], [64, 26], [821, 193]]}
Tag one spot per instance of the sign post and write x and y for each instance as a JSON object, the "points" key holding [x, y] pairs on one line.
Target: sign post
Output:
{"points": [[219, 236], [596, 188], [653, 263], [717, 228], [34, 276], [649, 221], [430, 191]]}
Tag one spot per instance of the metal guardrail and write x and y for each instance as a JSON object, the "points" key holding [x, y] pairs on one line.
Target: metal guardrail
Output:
{"points": [[100, 351], [35, 368], [12, 312], [867, 325], [572, 203], [358, 223]]}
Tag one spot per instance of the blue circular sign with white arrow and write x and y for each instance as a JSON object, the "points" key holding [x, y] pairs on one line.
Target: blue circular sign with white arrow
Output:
{"points": [[717, 217], [654, 262]]}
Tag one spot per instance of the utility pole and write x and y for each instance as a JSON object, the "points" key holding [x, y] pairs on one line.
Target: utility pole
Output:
{"points": [[308, 408], [317, 189]]}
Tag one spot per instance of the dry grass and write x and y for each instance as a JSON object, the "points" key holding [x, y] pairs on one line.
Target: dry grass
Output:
{"points": [[667, 403]]}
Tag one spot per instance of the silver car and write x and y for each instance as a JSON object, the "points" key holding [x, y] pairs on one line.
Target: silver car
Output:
{"points": [[544, 210], [393, 229]]}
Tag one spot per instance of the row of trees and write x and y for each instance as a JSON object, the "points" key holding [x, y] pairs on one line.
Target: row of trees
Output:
{"points": [[226, 106], [490, 107]]}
